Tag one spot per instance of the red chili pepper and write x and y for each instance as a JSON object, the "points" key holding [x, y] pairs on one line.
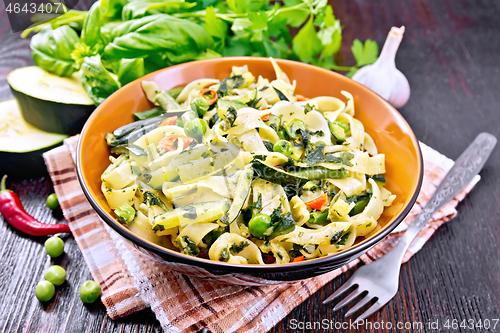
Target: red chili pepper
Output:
{"points": [[298, 259], [210, 99], [319, 203], [14, 213]]}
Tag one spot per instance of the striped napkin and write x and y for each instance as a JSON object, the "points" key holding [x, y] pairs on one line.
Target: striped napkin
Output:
{"points": [[132, 281]]}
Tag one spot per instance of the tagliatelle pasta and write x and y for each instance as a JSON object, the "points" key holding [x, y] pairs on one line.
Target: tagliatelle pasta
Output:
{"points": [[245, 171]]}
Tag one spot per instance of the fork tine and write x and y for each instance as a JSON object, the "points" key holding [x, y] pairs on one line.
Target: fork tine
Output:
{"points": [[349, 298], [375, 307], [343, 288], [359, 305]]}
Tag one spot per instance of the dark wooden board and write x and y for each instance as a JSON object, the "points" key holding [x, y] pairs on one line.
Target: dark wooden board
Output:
{"points": [[450, 56]]}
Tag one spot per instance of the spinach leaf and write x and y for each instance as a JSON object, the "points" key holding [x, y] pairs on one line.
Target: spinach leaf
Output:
{"points": [[237, 248], [281, 95], [230, 83], [281, 224], [316, 156], [96, 80], [130, 69], [52, 49], [268, 144], [229, 119], [152, 200], [179, 40], [344, 238], [189, 247]]}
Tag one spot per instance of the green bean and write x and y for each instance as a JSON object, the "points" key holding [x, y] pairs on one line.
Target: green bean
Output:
{"points": [[320, 173], [293, 127], [337, 131], [345, 126], [318, 217]]}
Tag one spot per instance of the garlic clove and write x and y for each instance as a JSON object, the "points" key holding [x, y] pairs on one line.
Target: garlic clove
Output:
{"points": [[383, 77]]}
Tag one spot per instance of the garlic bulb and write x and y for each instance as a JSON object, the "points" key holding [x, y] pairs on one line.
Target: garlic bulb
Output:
{"points": [[383, 77]]}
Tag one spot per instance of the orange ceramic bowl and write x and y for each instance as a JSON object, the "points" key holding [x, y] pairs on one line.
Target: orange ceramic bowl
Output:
{"points": [[391, 133]]}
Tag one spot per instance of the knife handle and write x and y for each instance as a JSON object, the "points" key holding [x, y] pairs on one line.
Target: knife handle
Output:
{"points": [[466, 167]]}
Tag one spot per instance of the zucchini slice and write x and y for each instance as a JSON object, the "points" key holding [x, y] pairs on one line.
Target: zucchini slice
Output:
{"points": [[242, 191], [22, 145], [49, 102], [195, 213]]}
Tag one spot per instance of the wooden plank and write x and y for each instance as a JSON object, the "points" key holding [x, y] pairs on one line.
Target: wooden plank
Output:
{"points": [[450, 56]]}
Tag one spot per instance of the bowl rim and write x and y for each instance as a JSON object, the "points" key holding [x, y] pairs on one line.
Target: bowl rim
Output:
{"points": [[345, 255]]}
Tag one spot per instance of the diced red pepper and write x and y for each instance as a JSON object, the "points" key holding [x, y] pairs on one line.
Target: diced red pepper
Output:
{"points": [[268, 258], [169, 121], [301, 98], [266, 116], [168, 142], [319, 203], [297, 259]]}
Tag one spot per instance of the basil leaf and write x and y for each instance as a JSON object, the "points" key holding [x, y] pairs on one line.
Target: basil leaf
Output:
{"points": [[138, 9], [180, 40], [130, 70], [52, 49], [92, 25], [112, 8], [96, 80]]}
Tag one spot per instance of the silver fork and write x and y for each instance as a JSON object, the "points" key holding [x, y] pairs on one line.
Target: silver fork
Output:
{"points": [[381, 277]]}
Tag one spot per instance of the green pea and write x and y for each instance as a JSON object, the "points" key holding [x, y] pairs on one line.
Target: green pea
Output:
{"points": [[260, 225], [90, 291], [52, 201], [199, 105], [55, 274], [293, 127], [196, 128], [284, 147], [44, 291], [188, 116], [125, 214], [54, 246], [343, 124]]}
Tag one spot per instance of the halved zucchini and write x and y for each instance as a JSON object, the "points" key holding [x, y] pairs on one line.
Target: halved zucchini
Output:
{"points": [[22, 145], [49, 102]]}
